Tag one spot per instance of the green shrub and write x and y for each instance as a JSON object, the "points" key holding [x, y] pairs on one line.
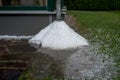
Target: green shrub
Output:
{"points": [[94, 5]]}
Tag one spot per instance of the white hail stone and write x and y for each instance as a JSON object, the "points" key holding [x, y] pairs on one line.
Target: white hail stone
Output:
{"points": [[58, 35]]}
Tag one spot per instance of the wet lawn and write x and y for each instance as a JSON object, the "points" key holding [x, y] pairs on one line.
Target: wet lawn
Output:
{"points": [[102, 29]]}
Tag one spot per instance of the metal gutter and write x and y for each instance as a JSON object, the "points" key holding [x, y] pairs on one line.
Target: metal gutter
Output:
{"points": [[29, 12]]}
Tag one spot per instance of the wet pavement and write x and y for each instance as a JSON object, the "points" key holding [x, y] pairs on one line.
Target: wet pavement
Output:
{"points": [[85, 63], [14, 58], [17, 56]]}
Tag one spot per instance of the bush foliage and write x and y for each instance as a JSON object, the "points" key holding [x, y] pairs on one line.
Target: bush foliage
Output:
{"points": [[94, 5]]}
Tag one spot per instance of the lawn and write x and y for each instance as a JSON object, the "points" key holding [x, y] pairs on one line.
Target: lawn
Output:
{"points": [[103, 28]]}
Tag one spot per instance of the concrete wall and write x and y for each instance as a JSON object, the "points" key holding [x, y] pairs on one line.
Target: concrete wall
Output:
{"points": [[24, 24]]}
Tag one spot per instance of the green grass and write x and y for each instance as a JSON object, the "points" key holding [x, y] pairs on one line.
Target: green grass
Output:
{"points": [[101, 19], [103, 28]]}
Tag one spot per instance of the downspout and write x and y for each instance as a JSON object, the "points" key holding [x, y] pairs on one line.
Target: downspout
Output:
{"points": [[58, 10]]}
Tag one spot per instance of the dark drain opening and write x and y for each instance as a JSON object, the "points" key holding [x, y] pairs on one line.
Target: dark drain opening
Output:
{"points": [[10, 74]]}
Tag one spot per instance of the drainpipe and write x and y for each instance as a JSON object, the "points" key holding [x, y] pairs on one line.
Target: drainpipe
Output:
{"points": [[58, 10]]}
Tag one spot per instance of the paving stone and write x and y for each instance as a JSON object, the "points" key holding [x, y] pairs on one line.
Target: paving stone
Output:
{"points": [[14, 55], [3, 50], [20, 48]]}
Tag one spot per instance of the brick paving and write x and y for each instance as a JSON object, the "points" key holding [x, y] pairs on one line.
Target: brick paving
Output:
{"points": [[14, 56]]}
